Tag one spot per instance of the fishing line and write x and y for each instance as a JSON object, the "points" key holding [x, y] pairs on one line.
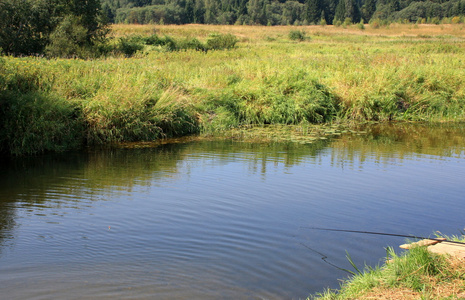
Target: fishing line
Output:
{"points": [[384, 233], [324, 258]]}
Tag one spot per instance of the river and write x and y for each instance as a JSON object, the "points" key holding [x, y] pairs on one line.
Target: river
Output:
{"points": [[223, 218]]}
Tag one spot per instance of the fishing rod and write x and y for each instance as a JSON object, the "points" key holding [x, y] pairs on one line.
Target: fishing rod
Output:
{"points": [[383, 233]]}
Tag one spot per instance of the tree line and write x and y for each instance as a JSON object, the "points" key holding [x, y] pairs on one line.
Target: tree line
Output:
{"points": [[78, 28], [277, 12]]}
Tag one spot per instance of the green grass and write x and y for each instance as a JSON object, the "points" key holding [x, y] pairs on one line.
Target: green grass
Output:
{"points": [[416, 274], [337, 75]]}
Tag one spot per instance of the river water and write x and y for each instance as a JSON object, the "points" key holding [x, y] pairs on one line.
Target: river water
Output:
{"points": [[223, 219]]}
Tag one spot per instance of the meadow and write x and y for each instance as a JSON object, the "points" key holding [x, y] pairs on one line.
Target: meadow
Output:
{"points": [[400, 72]]}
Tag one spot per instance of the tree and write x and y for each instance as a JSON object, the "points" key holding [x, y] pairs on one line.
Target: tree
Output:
{"points": [[368, 9], [330, 10], [189, 12], [91, 18], [211, 11], [199, 11], [27, 26], [293, 11], [255, 11], [68, 39], [108, 13], [313, 11], [21, 28], [347, 9], [339, 14]]}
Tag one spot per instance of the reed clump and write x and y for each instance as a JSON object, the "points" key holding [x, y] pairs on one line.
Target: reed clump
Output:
{"points": [[249, 76]]}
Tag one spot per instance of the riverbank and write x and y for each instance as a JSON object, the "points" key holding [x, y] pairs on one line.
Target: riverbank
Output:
{"points": [[416, 274], [335, 74]]}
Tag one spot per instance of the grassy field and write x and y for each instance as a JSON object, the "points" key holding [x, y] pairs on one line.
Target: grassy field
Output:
{"points": [[336, 74]]}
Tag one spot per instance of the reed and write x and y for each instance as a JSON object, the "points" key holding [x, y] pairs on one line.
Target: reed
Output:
{"points": [[336, 74]]}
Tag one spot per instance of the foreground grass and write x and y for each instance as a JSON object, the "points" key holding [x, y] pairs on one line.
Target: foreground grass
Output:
{"points": [[404, 72], [416, 274]]}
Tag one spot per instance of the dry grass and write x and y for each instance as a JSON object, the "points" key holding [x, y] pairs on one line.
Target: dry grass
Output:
{"points": [[261, 32]]}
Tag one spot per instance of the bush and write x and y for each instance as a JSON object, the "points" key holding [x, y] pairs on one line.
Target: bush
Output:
{"points": [[193, 44], [375, 24], [129, 45], [169, 43], [221, 41], [153, 40], [297, 35], [455, 20], [435, 20], [347, 21]]}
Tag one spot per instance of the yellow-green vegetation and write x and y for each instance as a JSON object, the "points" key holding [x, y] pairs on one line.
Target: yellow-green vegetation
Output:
{"points": [[404, 72], [416, 274]]}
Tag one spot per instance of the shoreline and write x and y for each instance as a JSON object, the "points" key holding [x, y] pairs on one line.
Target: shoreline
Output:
{"points": [[49, 105]]}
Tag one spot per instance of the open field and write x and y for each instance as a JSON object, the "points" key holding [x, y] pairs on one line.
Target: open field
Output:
{"points": [[403, 72], [257, 33]]}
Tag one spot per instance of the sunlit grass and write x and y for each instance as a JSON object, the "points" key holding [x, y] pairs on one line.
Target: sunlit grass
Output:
{"points": [[416, 274], [403, 72]]}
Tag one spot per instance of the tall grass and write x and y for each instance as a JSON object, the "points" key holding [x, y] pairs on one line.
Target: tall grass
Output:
{"points": [[414, 274], [34, 121], [338, 74]]}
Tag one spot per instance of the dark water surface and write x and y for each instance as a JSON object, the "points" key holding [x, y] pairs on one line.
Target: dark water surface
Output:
{"points": [[222, 219]]}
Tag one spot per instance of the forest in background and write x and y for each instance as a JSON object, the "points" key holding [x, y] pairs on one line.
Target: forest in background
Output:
{"points": [[76, 28], [280, 12]]}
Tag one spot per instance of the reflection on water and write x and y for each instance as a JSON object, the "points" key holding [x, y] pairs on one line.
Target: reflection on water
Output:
{"points": [[222, 219]]}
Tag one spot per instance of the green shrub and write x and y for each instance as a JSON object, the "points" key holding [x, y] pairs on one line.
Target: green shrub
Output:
{"points": [[169, 43], [193, 44], [221, 41], [375, 24], [455, 20], [129, 45], [297, 35], [153, 40], [435, 20], [347, 21]]}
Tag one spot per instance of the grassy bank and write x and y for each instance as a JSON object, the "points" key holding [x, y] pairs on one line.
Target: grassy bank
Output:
{"points": [[405, 72], [416, 274]]}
